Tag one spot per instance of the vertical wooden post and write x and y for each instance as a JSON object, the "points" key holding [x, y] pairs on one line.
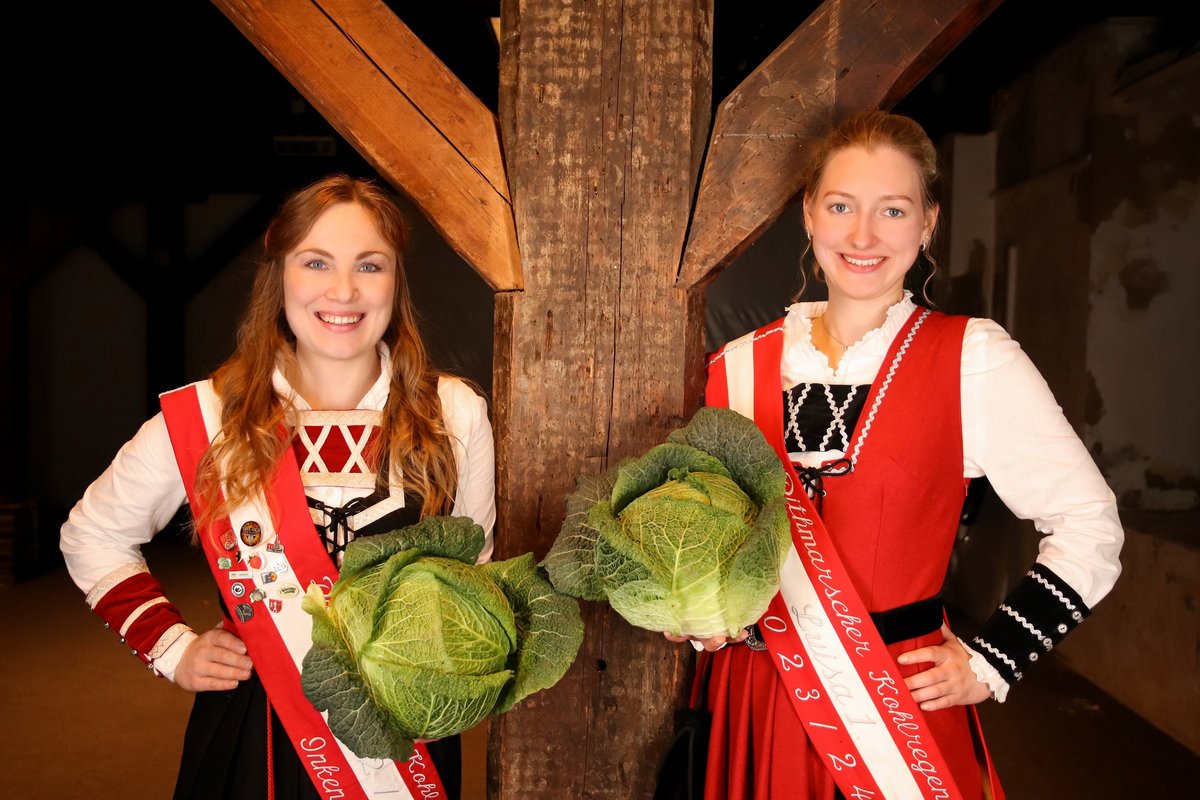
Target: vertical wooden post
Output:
{"points": [[605, 109]]}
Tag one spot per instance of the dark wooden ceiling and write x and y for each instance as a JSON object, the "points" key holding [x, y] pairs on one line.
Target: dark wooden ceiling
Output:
{"points": [[107, 103]]}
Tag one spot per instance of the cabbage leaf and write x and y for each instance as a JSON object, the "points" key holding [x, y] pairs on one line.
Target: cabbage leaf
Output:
{"points": [[417, 641], [688, 538]]}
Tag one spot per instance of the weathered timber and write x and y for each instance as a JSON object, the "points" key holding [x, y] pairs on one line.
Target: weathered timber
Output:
{"points": [[399, 107], [459, 115], [604, 118], [849, 55], [604, 112]]}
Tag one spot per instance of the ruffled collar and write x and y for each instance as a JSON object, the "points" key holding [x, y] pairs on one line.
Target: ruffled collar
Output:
{"points": [[800, 355], [374, 400]]}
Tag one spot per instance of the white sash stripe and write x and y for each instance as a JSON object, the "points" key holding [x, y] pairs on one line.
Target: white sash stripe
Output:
{"points": [[819, 636], [838, 674], [378, 778], [739, 376]]}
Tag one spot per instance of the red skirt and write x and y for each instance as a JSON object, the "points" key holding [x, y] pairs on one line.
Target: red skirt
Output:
{"points": [[758, 749]]}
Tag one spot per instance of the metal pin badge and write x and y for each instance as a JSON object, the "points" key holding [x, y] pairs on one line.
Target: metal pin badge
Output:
{"points": [[251, 533]]}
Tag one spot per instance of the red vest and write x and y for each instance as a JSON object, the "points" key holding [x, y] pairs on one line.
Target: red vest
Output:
{"points": [[894, 518]]}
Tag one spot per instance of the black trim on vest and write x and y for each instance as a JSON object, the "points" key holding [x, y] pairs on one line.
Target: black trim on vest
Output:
{"points": [[1035, 616]]}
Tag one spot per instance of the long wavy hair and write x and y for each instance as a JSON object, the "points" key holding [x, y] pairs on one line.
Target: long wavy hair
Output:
{"points": [[256, 427], [870, 130]]}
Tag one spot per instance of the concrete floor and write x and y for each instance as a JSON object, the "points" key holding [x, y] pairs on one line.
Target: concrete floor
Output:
{"points": [[82, 718]]}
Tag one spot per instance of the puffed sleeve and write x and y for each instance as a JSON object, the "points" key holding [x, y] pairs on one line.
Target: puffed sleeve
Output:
{"points": [[466, 416], [1015, 433], [101, 541]]}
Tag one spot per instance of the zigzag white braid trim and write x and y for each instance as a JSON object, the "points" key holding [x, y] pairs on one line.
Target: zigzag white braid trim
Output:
{"points": [[988, 646], [763, 335], [1027, 625], [884, 386], [839, 417], [1054, 590], [794, 405], [837, 421]]}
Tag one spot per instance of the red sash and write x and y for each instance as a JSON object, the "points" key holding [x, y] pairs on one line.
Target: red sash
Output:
{"points": [[844, 685], [261, 572]]}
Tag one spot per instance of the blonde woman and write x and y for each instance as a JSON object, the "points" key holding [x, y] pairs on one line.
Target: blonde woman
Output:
{"points": [[852, 684]]}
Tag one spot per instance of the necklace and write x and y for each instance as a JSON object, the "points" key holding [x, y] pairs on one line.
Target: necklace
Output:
{"points": [[829, 333]]}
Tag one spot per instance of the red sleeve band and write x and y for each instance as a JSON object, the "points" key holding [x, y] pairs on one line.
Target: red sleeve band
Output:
{"points": [[131, 602]]}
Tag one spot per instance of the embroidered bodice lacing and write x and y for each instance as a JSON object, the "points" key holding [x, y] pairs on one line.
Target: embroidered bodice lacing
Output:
{"points": [[333, 449], [821, 418]]}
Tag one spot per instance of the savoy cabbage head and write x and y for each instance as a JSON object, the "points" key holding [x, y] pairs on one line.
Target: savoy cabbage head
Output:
{"points": [[417, 641], [688, 539]]}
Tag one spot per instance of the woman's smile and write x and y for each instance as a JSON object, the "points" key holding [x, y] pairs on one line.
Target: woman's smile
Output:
{"points": [[339, 285], [867, 222]]}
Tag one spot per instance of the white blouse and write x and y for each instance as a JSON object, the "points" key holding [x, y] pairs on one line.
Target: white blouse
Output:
{"points": [[1014, 432], [140, 492]]}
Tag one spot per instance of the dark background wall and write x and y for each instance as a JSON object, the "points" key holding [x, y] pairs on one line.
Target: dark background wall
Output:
{"points": [[148, 142]]}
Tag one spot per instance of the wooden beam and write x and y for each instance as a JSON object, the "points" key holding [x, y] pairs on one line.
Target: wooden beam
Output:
{"points": [[408, 116], [604, 111], [459, 115], [849, 55]]}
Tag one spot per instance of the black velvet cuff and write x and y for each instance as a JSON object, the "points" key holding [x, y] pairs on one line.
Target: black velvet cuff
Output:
{"points": [[1035, 616]]}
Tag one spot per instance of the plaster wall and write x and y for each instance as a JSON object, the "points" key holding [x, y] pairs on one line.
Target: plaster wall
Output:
{"points": [[1144, 330], [1098, 160], [1097, 157]]}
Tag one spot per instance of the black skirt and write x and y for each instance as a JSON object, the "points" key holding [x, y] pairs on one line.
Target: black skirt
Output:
{"points": [[225, 745]]}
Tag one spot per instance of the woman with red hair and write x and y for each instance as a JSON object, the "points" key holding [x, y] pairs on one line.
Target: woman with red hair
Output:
{"points": [[327, 423]]}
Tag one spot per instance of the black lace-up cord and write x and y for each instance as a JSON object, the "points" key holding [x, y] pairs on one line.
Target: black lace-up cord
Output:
{"points": [[812, 478], [338, 533]]}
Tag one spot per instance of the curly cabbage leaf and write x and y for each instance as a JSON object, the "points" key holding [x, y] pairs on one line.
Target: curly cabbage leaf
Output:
{"points": [[688, 539], [417, 641]]}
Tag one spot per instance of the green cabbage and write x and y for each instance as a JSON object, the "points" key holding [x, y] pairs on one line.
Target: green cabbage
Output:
{"points": [[417, 641], [687, 539]]}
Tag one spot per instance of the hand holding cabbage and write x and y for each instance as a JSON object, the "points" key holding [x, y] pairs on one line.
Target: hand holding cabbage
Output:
{"points": [[417, 641], [688, 539]]}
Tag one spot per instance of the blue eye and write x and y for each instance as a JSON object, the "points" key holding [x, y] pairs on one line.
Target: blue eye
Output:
{"points": [[839, 208], [894, 213], [314, 263], [368, 266]]}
